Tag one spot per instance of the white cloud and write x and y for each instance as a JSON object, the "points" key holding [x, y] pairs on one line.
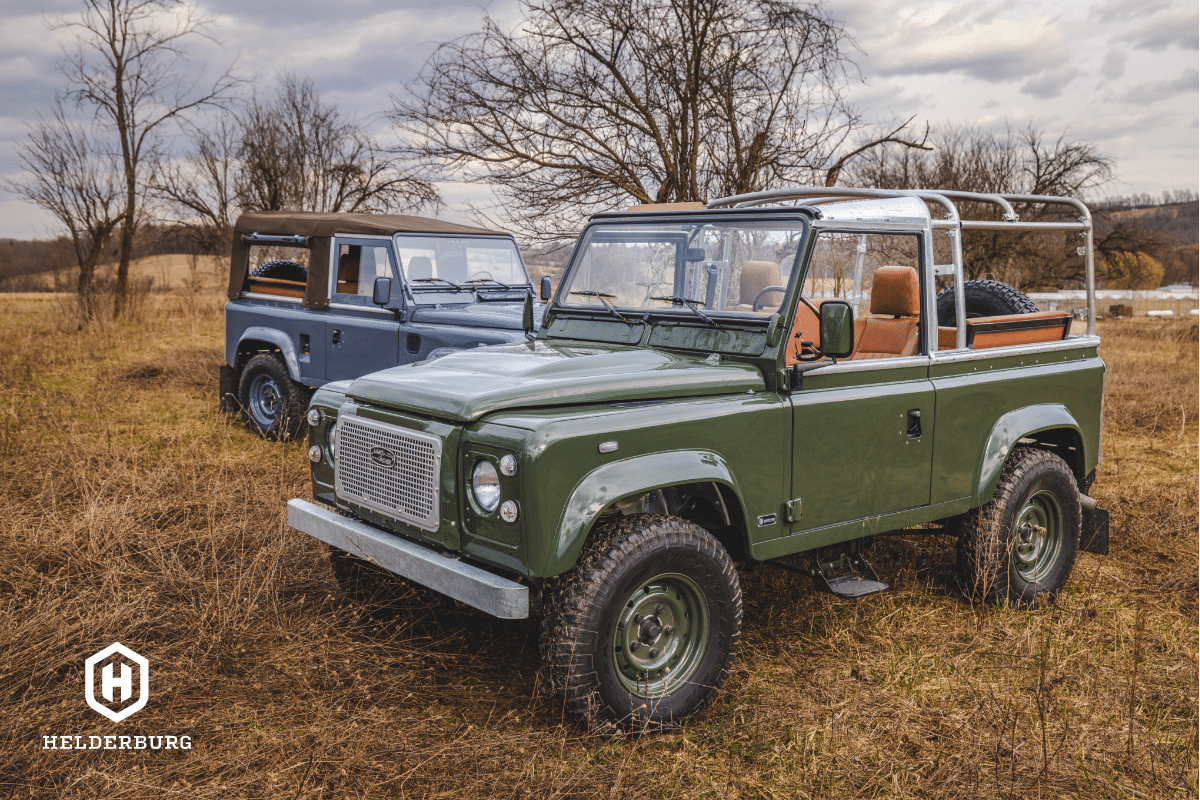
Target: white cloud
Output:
{"points": [[1050, 83], [1179, 27], [1153, 91], [1114, 64]]}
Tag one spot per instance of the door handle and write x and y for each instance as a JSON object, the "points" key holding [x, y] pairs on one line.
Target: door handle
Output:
{"points": [[337, 336], [914, 423]]}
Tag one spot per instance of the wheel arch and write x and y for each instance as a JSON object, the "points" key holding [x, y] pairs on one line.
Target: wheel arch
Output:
{"points": [[259, 339], [1050, 426], [704, 477]]}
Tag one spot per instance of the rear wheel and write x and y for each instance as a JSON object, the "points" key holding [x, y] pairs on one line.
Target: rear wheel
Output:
{"points": [[1024, 542], [273, 404], [642, 632]]}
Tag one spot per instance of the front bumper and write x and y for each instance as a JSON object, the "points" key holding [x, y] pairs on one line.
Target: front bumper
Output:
{"points": [[446, 574]]}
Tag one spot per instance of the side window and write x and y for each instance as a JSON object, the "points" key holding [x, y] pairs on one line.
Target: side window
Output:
{"points": [[358, 265], [879, 275], [278, 271]]}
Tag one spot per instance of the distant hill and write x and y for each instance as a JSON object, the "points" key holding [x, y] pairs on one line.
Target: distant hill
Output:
{"points": [[1178, 221]]}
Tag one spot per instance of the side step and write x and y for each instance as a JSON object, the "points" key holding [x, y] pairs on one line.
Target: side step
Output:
{"points": [[859, 581]]}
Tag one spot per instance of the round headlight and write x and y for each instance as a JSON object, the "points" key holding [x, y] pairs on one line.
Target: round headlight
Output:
{"points": [[508, 465], [333, 437], [485, 485], [314, 417]]}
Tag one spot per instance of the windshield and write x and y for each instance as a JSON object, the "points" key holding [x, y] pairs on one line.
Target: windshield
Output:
{"points": [[739, 267], [435, 266]]}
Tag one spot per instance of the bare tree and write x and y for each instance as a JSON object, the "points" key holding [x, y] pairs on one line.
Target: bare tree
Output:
{"points": [[594, 103], [200, 189], [70, 174], [1021, 162], [296, 152], [126, 66]]}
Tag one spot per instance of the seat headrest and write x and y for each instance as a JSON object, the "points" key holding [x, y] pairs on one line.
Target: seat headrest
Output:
{"points": [[348, 264], [895, 292], [756, 276], [420, 267]]}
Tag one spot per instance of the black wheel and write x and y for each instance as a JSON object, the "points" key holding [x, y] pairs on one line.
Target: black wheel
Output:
{"points": [[1023, 543], [280, 269], [983, 299], [272, 403], [642, 632]]}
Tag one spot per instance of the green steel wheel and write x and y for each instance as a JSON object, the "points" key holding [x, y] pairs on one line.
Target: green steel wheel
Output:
{"points": [[641, 633], [1037, 537], [1023, 543], [661, 634]]}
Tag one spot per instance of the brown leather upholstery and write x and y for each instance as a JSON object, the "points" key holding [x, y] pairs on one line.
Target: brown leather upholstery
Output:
{"points": [[1056, 329], [347, 276], [756, 276], [805, 326], [895, 292], [419, 268]]}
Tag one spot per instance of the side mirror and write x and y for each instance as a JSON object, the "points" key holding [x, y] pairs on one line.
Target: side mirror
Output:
{"points": [[837, 329], [546, 289], [382, 292]]}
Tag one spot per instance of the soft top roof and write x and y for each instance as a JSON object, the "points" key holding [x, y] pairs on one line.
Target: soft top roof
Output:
{"points": [[314, 223]]}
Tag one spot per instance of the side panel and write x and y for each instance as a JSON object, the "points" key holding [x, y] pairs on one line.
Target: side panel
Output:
{"points": [[298, 332], [360, 341], [568, 481], [974, 394]]}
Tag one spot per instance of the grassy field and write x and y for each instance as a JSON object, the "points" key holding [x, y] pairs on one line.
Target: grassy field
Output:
{"points": [[135, 512]]}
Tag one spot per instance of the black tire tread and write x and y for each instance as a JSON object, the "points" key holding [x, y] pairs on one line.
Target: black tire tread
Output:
{"points": [[295, 398], [983, 298], [980, 551], [281, 269], [574, 599]]}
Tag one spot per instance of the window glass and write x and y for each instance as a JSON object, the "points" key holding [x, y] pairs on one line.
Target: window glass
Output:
{"points": [[434, 264], [734, 267], [843, 266], [358, 265]]}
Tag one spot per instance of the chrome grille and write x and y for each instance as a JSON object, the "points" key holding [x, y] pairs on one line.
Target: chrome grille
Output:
{"points": [[388, 469]]}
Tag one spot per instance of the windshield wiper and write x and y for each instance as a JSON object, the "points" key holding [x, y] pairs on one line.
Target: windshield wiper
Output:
{"points": [[693, 305], [603, 299], [493, 280], [457, 288]]}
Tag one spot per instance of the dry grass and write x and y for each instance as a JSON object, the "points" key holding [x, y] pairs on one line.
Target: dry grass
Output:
{"points": [[135, 512]]}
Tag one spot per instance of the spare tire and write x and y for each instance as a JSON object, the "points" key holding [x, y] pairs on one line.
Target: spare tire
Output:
{"points": [[281, 269], [983, 299]]}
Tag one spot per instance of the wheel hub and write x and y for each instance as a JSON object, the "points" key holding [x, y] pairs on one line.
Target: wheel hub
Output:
{"points": [[660, 637], [1038, 536]]}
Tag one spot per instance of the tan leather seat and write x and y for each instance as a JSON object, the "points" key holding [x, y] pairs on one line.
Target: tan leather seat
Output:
{"points": [[895, 293], [756, 276], [348, 267]]}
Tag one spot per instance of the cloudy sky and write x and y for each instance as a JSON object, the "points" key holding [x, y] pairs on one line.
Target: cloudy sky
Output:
{"points": [[1119, 73]]}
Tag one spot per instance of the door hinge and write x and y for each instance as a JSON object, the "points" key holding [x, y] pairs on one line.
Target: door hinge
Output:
{"points": [[793, 510]]}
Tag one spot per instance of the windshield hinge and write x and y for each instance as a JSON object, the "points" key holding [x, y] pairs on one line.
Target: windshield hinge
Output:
{"points": [[793, 510]]}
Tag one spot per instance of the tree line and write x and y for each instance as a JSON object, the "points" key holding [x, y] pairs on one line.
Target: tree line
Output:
{"points": [[588, 105]]}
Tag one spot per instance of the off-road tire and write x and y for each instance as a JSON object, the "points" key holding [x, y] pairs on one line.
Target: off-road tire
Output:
{"points": [[642, 560], [1001, 558], [273, 404], [983, 299], [281, 269]]}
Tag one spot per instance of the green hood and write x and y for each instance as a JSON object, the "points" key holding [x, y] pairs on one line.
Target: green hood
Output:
{"points": [[466, 385]]}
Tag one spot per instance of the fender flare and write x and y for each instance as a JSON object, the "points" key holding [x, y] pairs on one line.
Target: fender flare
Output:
{"points": [[1010, 429], [602, 486], [275, 337]]}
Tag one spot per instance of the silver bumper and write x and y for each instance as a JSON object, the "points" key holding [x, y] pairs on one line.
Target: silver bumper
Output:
{"points": [[466, 583]]}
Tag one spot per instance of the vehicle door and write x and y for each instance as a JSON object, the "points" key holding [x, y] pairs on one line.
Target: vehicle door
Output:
{"points": [[862, 443], [360, 336]]}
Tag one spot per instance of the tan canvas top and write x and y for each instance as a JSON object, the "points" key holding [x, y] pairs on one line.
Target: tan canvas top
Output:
{"points": [[313, 223]]}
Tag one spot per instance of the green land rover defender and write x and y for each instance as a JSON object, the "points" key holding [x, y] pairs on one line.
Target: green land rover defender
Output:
{"points": [[714, 386]]}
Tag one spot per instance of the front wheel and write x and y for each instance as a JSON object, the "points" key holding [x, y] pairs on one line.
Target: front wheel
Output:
{"points": [[1024, 542], [642, 632]]}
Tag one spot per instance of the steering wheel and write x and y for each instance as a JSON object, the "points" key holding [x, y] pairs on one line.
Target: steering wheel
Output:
{"points": [[758, 296], [483, 273]]}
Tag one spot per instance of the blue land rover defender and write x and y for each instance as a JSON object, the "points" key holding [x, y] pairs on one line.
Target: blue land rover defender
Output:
{"points": [[320, 297]]}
